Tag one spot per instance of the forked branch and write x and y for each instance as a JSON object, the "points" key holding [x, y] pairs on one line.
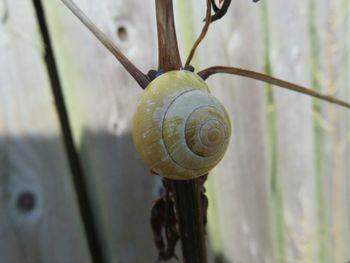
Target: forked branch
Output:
{"points": [[141, 78], [206, 73]]}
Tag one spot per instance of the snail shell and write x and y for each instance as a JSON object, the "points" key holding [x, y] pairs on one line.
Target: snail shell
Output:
{"points": [[180, 130]]}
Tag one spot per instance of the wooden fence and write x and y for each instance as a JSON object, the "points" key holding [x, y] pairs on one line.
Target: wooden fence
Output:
{"points": [[282, 192]]}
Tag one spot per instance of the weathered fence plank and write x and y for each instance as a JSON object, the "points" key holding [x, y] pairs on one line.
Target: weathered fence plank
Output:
{"points": [[331, 76], [288, 34], [101, 99], [39, 215], [241, 181]]}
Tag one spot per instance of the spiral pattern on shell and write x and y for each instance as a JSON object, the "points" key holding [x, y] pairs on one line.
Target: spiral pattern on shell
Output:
{"points": [[180, 130]]}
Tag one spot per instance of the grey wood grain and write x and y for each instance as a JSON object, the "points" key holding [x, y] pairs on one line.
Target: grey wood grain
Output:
{"points": [[288, 30], [39, 215], [331, 20]]}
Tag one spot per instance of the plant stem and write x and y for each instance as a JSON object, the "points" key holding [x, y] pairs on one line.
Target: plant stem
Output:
{"points": [[206, 73], [187, 194], [141, 78], [190, 215], [168, 51]]}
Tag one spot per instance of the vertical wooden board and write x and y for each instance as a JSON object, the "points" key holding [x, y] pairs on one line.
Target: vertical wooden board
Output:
{"points": [[241, 179], [295, 157], [101, 98], [346, 178], [332, 31], [39, 214]]}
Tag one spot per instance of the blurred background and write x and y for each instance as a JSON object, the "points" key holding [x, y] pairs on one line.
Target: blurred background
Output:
{"points": [[72, 187]]}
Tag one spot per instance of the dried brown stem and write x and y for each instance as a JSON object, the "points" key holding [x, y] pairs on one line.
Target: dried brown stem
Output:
{"points": [[168, 51], [141, 78], [206, 73], [202, 34]]}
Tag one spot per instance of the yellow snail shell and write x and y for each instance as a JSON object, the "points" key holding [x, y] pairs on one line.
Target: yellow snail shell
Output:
{"points": [[180, 130]]}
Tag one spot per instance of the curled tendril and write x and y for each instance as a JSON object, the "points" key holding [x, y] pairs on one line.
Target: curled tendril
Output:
{"points": [[219, 11], [215, 7]]}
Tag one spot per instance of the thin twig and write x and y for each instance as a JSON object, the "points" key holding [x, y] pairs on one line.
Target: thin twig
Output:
{"points": [[206, 73], [202, 34], [141, 78]]}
